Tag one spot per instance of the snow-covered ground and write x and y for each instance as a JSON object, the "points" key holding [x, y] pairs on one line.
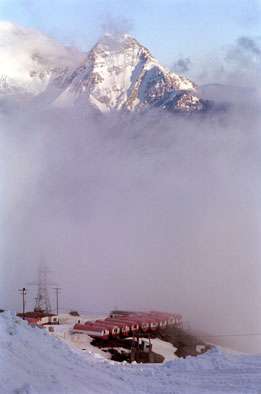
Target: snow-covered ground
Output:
{"points": [[79, 341], [34, 362], [83, 341], [166, 349]]}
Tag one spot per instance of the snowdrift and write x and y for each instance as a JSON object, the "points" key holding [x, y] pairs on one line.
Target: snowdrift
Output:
{"points": [[33, 362]]}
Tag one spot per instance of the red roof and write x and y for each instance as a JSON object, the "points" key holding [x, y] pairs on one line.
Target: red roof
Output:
{"points": [[88, 327], [107, 324], [94, 325], [117, 323], [129, 321]]}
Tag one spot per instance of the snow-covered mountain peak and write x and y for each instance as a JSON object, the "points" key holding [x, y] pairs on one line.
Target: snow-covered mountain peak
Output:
{"points": [[121, 74], [118, 73], [116, 43], [112, 39]]}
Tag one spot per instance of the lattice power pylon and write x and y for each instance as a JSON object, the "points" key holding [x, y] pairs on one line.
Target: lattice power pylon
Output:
{"points": [[42, 300]]}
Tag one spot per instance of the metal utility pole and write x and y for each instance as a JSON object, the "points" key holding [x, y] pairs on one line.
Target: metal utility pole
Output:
{"points": [[23, 292], [57, 291]]}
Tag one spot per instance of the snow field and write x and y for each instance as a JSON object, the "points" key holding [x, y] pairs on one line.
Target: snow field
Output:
{"points": [[34, 362]]}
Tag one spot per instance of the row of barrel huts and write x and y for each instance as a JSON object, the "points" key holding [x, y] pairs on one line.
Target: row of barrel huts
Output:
{"points": [[123, 324]]}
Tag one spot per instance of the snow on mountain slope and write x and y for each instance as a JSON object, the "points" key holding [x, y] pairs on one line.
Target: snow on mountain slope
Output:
{"points": [[30, 59], [121, 74], [33, 362], [117, 74]]}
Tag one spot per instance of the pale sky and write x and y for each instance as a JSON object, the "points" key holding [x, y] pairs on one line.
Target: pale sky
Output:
{"points": [[169, 28]]}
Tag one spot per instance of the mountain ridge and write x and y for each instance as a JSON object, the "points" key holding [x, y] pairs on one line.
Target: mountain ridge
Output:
{"points": [[121, 74], [117, 74]]}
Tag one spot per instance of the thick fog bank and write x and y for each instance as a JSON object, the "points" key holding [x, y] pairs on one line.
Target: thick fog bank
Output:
{"points": [[153, 212]]}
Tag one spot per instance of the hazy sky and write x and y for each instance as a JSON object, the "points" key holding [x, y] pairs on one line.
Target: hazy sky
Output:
{"points": [[170, 28]]}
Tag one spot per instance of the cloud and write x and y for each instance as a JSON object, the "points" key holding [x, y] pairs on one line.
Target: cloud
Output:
{"points": [[242, 61], [246, 52], [182, 65], [238, 64], [116, 25], [136, 212], [250, 45]]}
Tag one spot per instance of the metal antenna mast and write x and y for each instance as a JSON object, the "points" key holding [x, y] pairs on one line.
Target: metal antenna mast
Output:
{"points": [[42, 300]]}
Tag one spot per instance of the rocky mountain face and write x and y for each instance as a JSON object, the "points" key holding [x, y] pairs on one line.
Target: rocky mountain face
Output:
{"points": [[117, 74], [120, 74]]}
